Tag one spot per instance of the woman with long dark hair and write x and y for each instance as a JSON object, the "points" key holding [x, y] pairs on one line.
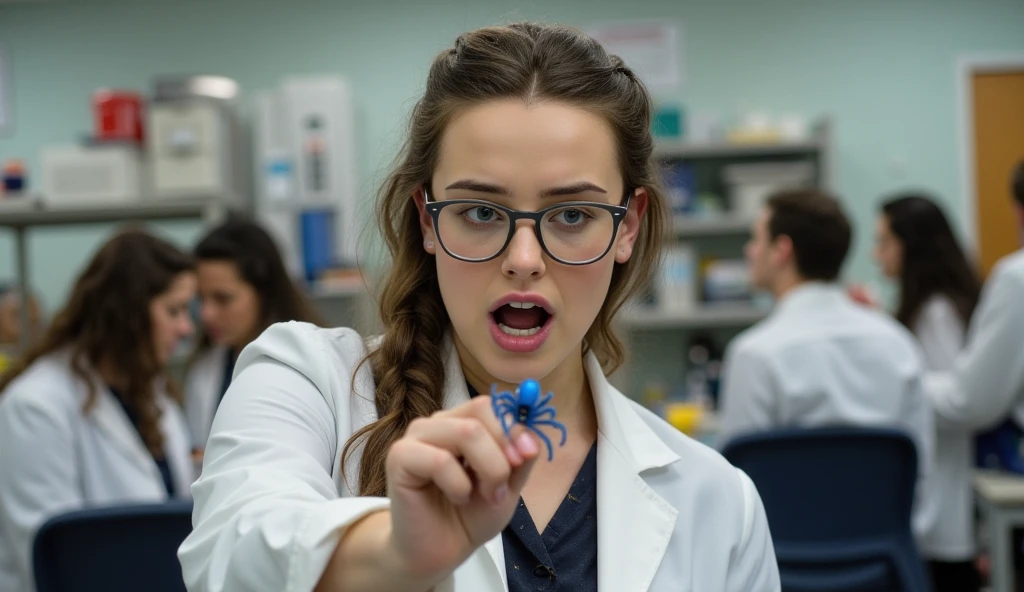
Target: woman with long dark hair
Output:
{"points": [[89, 416], [939, 290], [244, 288]]}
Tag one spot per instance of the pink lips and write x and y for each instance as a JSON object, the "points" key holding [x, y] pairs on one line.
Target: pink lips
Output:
{"points": [[520, 344]]}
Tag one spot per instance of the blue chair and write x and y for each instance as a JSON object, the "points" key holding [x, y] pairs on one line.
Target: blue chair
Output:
{"points": [[839, 503], [124, 548]]}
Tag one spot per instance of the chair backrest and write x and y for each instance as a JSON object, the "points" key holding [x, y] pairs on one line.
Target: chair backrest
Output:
{"points": [[832, 484], [113, 549]]}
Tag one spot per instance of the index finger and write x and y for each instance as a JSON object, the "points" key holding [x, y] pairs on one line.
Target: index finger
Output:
{"points": [[481, 409]]}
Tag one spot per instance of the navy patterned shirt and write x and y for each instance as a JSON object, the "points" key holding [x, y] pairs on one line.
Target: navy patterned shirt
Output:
{"points": [[161, 462], [564, 557]]}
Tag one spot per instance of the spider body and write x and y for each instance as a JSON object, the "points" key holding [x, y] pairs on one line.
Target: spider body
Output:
{"points": [[528, 408]]}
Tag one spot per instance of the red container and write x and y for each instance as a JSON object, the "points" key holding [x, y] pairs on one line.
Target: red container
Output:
{"points": [[117, 115]]}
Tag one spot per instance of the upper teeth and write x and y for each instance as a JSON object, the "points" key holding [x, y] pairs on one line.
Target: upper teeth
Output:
{"points": [[521, 304]]}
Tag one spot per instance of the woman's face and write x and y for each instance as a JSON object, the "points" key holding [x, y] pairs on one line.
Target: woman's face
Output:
{"points": [[888, 249], [522, 314], [230, 307], [169, 316]]}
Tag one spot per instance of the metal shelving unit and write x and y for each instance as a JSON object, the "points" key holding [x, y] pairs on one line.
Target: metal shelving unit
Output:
{"points": [[706, 316], [23, 213], [723, 225], [663, 330]]}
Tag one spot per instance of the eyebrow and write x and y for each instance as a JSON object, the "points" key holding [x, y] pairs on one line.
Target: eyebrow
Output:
{"points": [[481, 187]]}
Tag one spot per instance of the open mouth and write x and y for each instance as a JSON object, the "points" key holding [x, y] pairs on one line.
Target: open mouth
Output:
{"points": [[520, 319]]}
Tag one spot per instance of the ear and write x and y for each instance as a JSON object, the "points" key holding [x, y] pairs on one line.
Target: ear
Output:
{"points": [[426, 222], [782, 250], [629, 229]]}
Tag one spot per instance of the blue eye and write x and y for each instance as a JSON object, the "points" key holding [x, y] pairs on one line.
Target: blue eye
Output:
{"points": [[482, 214]]}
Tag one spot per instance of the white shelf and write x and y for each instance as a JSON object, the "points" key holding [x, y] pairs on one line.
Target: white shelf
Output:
{"points": [[704, 316], [684, 149], [724, 225], [327, 291], [21, 212]]}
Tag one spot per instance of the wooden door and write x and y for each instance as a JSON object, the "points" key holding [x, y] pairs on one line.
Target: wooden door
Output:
{"points": [[998, 116]]}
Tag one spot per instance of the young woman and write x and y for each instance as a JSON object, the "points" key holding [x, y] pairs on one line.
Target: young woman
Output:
{"points": [[89, 417], [938, 292], [522, 213], [243, 289]]}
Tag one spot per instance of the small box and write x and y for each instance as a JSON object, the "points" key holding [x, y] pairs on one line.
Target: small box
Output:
{"points": [[85, 175]]}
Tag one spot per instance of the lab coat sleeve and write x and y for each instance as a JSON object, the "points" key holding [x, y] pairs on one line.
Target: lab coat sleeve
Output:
{"points": [[268, 514], [920, 424], [940, 333], [988, 376], [40, 477], [753, 567], [747, 401]]}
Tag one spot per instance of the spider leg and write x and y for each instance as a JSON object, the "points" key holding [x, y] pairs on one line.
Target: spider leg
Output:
{"points": [[544, 402], [550, 422], [508, 399], [501, 411], [544, 414], [547, 442]]}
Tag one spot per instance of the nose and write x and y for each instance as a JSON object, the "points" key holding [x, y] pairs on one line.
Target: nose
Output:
{"points": [[206, 313], [186, 328], [524, 256]]}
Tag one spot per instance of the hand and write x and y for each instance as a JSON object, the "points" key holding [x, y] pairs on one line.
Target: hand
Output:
{"points": [[862, 295], [454, 481]]}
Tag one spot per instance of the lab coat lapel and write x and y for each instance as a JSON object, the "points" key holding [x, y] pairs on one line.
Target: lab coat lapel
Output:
{"points": [[112, 420], [634, 523]]}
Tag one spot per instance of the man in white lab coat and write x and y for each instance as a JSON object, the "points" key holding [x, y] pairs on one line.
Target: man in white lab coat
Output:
{"points": [[819, 359], [987, 380]]}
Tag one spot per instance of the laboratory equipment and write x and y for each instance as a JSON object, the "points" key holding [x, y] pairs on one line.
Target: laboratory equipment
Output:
{"points": [[305, 167], [97, 174], [195, 139]]}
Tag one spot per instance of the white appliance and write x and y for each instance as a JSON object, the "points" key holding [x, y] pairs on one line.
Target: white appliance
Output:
{"points": [[751, 184], [194, 139], [305, 160], [92, 175]]}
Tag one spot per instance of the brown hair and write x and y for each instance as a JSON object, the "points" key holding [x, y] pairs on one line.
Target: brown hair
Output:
{"points": [[245, 244], [107, 318], [1017, 183], [815, 223], [524, 62]]}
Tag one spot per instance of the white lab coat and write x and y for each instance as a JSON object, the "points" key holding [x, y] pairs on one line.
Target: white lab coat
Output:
{"points": [[987, 380], [948, 502], [203, 382], [272, 502], [54, 458], [820, 360]]}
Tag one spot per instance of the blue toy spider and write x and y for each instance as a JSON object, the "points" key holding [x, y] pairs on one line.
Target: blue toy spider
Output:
{"points": [[528, 408]]}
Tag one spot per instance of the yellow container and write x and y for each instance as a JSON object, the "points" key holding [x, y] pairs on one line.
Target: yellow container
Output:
{"points": [[685, 417]]}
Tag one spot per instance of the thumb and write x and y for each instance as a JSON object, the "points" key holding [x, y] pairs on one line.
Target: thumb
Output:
{"points": [[529, 448]]}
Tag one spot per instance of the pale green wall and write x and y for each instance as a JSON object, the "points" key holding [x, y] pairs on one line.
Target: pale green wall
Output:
{"points": [[882, 68]]}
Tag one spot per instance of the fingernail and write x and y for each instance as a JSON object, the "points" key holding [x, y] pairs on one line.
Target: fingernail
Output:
{"points": [[501, 493], [525, 444], [513, 455]]}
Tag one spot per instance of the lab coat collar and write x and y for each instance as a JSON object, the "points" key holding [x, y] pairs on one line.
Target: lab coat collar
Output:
{"points": [[627, 447], [111, 418], [809, 295]]}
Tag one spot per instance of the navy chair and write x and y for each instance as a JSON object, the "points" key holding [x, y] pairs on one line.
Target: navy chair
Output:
{"points": [[839, 503], [124, 548]]}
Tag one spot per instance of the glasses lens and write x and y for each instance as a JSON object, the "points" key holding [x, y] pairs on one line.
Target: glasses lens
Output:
{"points": [[578, 233], [472, 231]]}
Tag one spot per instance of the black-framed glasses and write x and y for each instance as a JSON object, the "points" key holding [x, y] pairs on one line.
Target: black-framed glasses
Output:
{"points": [[571, 233]]}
